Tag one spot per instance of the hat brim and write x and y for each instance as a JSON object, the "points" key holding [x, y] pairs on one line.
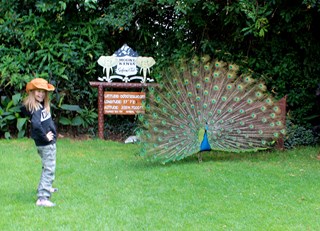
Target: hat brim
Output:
{"points": [[39, 86]]}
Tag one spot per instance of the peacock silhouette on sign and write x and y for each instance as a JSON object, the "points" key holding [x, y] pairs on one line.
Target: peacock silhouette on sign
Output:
{"points": [[203, 105]]}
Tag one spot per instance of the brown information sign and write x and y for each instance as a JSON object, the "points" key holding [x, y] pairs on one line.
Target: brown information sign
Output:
{"points": [[123, 103]]}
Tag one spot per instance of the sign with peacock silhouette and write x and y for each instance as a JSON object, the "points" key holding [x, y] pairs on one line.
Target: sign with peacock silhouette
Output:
{"points": [[126, 65], [203, 105]]}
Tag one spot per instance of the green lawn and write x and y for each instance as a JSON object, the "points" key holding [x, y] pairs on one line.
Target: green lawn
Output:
{"points": [[104, 185]]}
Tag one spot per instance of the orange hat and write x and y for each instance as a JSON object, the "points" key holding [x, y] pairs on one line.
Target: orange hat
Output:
{"points": [[39, 83]]}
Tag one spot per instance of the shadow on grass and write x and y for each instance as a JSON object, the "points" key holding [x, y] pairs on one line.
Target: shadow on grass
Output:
{"points": [[220, 156], [215, 156], [23, 197]]}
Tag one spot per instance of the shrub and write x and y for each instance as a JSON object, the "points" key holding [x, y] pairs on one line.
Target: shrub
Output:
{"points": [[119, 128], [298, 135], [11, 122]]}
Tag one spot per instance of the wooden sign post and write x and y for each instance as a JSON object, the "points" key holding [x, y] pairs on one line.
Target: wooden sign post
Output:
{"points": [[127, 66], [123, 103]]}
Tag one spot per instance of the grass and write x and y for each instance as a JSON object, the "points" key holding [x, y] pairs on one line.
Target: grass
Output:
{"points": [[104, 185]]}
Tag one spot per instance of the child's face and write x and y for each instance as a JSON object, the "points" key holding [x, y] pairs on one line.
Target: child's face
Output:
{"points": [[39, 95]]}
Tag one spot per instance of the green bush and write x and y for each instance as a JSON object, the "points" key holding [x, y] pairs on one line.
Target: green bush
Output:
{"points": [[11, 122], [62, 40], [74, 118], [118, 128], [298, 135]]}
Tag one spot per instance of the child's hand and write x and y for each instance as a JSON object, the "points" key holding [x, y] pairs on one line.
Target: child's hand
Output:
{"points": [[50, 135]]}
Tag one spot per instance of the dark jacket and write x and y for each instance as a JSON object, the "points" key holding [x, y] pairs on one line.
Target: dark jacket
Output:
{"points": [[41, 124]]}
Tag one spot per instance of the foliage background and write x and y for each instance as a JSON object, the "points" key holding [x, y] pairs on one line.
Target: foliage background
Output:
{"points": [[61, 41]]}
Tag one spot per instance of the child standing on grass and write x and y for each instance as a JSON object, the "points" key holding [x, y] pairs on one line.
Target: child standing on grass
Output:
{"points": [[43, 132]]}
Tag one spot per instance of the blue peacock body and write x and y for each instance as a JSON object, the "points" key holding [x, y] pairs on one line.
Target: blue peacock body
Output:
{"points": [[204, 105]]}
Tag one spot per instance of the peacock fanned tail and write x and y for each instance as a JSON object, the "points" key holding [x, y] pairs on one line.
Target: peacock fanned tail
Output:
{"points": [[204, 105]]}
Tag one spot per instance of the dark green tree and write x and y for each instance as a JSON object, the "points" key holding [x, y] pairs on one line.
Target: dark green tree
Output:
{"points": [[62, 40]]}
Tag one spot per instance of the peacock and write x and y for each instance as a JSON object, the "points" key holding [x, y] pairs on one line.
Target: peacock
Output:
{"points": [[204, 104]]}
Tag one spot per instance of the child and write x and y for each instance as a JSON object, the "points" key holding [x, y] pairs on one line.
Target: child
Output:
{"points": [[43, 132]]}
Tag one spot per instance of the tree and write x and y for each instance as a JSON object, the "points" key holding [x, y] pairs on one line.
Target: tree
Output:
{"points": [[62, 40]]}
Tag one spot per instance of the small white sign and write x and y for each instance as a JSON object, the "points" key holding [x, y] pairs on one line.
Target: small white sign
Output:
{"points": [[126, 66]]}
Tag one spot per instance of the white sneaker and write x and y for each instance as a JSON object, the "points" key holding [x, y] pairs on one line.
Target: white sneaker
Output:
{"points": [[45, 203], [52, 190]]}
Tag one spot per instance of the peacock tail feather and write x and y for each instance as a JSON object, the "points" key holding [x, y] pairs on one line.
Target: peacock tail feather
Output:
{"points": [[204, 105]]}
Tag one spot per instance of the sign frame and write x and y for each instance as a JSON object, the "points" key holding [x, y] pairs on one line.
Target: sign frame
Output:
{"points": [[120, 85]]}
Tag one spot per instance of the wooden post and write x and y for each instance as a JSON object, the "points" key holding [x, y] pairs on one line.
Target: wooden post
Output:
{"points": [[100, 112], [282, 104]]}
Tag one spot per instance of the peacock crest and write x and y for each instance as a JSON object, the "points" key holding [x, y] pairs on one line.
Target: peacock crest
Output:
{"points": [[203, 105]]}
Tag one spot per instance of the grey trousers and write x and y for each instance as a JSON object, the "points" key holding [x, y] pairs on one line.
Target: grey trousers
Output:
{"points": [[48, 157]]}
